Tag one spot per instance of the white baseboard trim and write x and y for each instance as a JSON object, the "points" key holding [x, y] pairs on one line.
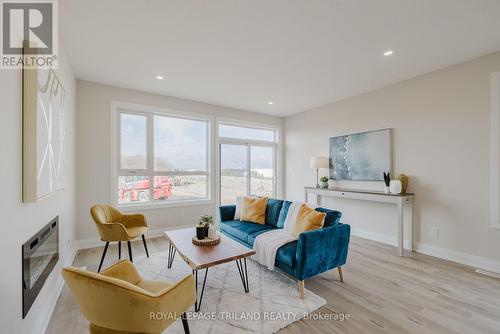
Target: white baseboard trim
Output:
{"points": [[89, 243], [44, 319], [380, 237], [474, 261], [151, 233], [442, 253], [488, 273]]}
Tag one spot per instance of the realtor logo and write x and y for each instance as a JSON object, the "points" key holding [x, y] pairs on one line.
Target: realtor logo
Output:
{"points": [[29, 34]]}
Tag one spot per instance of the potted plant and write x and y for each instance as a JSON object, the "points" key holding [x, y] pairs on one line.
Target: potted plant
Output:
{"points": [[207, 221], [387, 181], [324, 182], [200, 231]]}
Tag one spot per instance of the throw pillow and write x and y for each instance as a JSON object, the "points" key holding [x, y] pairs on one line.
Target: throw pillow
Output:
{"points": [[332, 216], [283, 213], [253, 209], [237, 213], [308, 219]]}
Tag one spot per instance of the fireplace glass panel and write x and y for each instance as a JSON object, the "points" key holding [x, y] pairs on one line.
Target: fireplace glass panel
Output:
{"points": [[40, 255], [40, 259]]}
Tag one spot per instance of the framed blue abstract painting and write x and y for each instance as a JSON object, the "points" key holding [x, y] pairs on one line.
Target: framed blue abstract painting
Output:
{"points": [[361, 156]]}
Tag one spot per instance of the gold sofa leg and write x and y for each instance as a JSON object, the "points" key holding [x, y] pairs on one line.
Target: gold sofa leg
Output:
{"points": [[341, 273], [301, 289]]}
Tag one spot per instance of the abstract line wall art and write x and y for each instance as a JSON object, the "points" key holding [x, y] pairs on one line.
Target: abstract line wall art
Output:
{"points": [[43, 134]]}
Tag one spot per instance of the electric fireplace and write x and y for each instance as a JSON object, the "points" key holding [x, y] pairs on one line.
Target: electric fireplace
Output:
{"points": [[40, 255]]}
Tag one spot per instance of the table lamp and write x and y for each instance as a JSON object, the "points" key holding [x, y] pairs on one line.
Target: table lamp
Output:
{"points": [[319, 162]]}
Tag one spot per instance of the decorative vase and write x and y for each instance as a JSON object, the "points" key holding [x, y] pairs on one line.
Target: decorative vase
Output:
{"points": [[395, 187], [205, 231], [323, 184], [404, 182], [200, 232], [212, 233], [331, 183], [386, 190]]}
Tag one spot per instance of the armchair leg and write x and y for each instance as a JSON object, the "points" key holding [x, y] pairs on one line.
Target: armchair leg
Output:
{"points": [[119, 250], [341, 273], [145, 246], [130, 251], [103, 255], [185, 323], [301, 289]]}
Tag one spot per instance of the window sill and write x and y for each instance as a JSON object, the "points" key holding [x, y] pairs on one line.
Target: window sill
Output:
{"points": [[157, 206]]}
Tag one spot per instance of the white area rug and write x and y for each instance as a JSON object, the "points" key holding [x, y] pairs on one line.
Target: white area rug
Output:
{"points": [[272, 303]]}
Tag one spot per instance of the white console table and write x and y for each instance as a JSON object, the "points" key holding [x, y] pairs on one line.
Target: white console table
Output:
{"points": [[377, 196]]}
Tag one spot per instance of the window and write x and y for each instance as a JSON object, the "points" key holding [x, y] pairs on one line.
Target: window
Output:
{"points": [[232, 131], [133, 141], [247, 162], [261, 171], [233, 172], [162, 158]]}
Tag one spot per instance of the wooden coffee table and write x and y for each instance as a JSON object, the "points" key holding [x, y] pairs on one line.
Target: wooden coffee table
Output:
{"points": [[204, 257]]}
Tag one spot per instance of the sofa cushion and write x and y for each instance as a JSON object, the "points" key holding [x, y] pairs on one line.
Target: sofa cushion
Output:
{"points": [[226, 212], [232, 237], [308, 219], [273, 211], [242, 229], [252, 236], [332, 216], [286, 254], [283, 213], [253, 209]]}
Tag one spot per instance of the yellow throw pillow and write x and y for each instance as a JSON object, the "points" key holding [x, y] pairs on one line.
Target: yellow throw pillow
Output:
{"points": [[308, 219], [253, 209]]}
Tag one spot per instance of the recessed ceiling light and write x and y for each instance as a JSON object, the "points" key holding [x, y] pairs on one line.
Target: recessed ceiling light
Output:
{"points": [[159, 77], [270, 102], [388, 53]]}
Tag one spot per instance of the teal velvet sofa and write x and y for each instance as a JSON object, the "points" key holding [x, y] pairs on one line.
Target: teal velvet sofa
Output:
{"points": [[313, 253]]}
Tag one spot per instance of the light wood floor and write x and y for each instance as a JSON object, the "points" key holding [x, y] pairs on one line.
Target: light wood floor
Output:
{"points": [[384, 293]]}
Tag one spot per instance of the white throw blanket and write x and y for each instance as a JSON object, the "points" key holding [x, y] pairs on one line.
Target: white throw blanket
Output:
{"points": [[267, 244], [291, 216]]}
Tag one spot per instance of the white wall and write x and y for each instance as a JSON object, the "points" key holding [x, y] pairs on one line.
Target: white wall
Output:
{"points": [[441, 140], [495, 151], [20, 220], [93, 147]]}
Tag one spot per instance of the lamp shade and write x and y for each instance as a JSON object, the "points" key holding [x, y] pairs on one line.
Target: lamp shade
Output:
{"points": [[319, 162]]}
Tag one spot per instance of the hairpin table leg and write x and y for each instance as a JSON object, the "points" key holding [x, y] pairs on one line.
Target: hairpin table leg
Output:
{"points": [[197, 304], [171, 255]]}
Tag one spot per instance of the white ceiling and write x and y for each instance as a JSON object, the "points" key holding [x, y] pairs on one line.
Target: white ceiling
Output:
{"points": [[244, 53]]}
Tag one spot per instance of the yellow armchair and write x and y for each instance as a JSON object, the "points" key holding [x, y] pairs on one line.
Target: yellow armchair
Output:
{"points": [[112, 225], [119, 301]]}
